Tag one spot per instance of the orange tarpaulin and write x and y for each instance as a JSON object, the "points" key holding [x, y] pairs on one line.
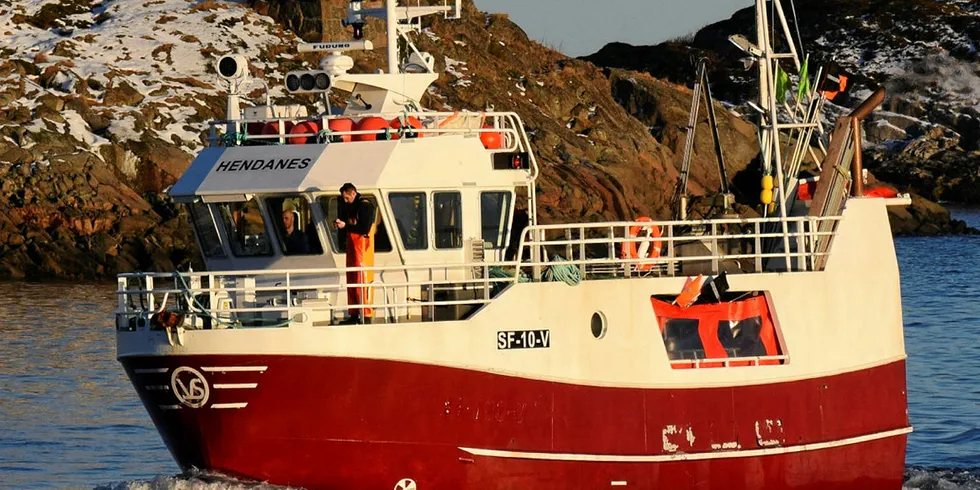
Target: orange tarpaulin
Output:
{"points": [[710, 316]]}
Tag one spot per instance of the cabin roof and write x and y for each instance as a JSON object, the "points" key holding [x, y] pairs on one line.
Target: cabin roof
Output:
{"points": [[232, 173], [226, 172]]}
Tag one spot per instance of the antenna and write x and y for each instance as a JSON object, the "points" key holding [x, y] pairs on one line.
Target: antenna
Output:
{"points": [[398, 21]]}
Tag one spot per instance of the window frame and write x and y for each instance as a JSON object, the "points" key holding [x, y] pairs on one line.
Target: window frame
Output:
{"points": [[508, 217], [459, 214], [260, 205], [425, 219], [277, 228], [223, 252]]}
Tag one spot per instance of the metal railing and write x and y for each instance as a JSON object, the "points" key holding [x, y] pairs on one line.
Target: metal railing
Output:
{"points": [[712, 362], [318, 297], [687, 247], [309, 297], [507, 124]]}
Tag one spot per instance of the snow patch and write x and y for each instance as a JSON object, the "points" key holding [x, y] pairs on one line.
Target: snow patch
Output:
{"points": [[124, 129], [78, 129], [456, 69]]}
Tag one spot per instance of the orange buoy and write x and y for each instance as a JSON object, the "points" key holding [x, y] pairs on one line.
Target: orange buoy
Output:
{"points": [[272, 128], [492, 140], [372, 123], [413, 123], [628, 250], [305, 127], [342, 124], [254, 128]]}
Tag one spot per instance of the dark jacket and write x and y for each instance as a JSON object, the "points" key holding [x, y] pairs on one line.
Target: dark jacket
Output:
{"points": [[296, 243], [359, 215]]}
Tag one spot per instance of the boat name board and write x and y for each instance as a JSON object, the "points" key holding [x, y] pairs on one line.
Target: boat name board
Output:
{"points": [[263, 164], [523, 339]]}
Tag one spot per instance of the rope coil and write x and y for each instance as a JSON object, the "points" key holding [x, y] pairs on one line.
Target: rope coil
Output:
{"points": [[567, 273]]}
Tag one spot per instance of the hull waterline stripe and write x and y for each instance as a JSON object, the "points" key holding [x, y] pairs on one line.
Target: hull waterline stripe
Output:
{"points": [[235, 369], [494, 453], [151, 371], [234, 385], [230, 405]]}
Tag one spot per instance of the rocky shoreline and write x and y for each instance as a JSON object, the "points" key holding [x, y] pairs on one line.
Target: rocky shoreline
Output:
{"points": [[86, 156]]}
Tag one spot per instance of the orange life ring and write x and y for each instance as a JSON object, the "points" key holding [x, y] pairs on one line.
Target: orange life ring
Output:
{"points": [[628, 250]]}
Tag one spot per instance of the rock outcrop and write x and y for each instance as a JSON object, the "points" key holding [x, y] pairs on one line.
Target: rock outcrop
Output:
{"points": [[104, 104], [87, 155], [923, 52]]}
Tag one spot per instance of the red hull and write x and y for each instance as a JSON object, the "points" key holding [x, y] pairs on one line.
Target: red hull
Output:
{"points": [[359, 423]]}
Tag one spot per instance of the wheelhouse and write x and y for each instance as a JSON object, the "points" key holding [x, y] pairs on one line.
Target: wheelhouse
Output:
{"points": [[431, 205]]}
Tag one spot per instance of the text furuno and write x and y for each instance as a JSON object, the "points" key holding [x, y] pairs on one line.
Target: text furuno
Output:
{"points": [[260, 164]]}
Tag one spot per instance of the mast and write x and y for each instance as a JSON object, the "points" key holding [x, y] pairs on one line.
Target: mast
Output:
{"points": [[398, 21], [796, 120]]}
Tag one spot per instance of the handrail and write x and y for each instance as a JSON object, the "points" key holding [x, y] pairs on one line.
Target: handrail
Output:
{"points": [[259, 297], [319, 270], [727, 361], [805, 236]]}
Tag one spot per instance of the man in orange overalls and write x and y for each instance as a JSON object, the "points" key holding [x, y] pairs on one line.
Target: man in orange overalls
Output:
{"points": [[355, 216]]}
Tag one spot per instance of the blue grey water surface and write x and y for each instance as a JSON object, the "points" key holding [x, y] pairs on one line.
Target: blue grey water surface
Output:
{"points": [[70, 419]]}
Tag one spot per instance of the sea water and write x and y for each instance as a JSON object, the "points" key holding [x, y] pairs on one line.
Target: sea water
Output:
{"points": [[69, 417]]}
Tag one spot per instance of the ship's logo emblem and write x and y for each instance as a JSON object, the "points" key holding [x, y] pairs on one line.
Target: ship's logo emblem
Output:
{"points": [[405, 484], [190, 387]]}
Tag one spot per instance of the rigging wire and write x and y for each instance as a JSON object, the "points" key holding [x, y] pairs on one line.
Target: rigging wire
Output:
{"points": [[796, 25]]}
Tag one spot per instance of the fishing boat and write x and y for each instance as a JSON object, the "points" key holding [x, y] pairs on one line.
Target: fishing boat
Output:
{"points": [[485, 349]]}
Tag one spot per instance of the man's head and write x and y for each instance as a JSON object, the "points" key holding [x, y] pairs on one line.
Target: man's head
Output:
{"points": [[348, 192], [288, 220]]}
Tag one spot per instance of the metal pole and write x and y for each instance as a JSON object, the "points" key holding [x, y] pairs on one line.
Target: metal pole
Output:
{"points": [[857, 172], [392, 19], [765, 44], [857, 163], [714, 130], [789, 37]]}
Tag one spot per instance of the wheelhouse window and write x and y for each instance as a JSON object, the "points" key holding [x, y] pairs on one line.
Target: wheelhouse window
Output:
{"points": [[447, 211], [330, 207], [295, 228], [494, 214], [245, 228], [207, 231], [410, 218]]}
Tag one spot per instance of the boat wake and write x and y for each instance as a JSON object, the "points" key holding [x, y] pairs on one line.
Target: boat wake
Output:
{"points": [[915, 479], [192, 481], [941, 479]]}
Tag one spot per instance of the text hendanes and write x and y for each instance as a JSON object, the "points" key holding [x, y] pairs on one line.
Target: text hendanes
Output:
{"points": [[260, 164]]}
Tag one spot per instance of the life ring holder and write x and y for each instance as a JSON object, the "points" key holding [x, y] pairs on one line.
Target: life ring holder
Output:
{"points": [[628, 250]]}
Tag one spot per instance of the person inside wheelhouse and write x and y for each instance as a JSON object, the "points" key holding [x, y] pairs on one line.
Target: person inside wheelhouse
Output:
{"points": [[294, 240]]}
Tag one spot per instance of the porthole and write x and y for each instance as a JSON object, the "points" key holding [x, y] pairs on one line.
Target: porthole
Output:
{"points": [[598, 325]]}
